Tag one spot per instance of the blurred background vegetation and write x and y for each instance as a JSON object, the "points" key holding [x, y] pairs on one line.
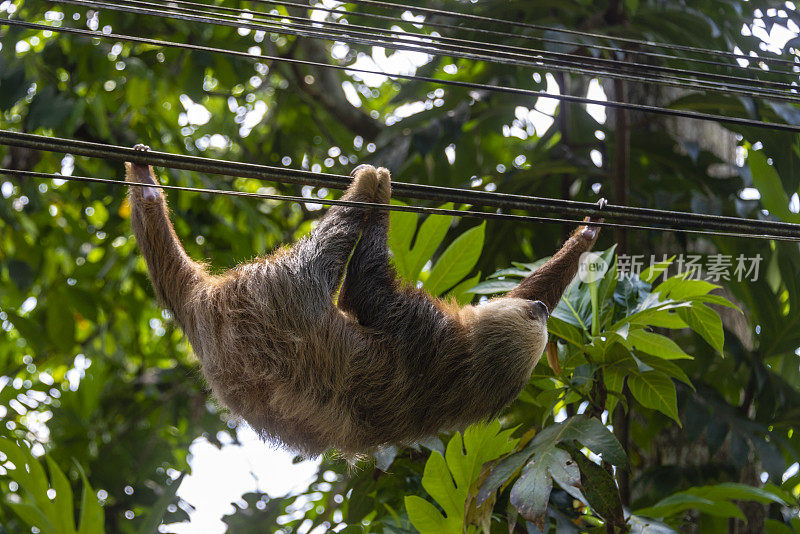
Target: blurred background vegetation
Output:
{"points": [[96, 379]]}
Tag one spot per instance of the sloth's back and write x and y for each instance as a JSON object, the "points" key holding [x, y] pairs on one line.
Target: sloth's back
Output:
{"points": [[305, 374]]}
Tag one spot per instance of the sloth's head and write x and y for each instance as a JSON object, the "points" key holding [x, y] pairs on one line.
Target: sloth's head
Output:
{"points": [[509, 328]]}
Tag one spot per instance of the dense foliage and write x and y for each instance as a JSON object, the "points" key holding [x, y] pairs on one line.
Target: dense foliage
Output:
{"points": [[99, 394]]}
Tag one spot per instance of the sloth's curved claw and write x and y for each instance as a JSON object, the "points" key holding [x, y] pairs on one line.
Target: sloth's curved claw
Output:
{"points": [[144, 175], [590, 232], [358, 168]]}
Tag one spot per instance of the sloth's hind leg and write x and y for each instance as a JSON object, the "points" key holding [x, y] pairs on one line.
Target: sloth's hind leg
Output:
{"points": [[370, 284], [323, 255]]}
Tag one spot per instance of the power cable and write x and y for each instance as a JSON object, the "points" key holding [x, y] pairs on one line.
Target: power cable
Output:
{"points": [[466, 52], [539, 27], [376, 205], [514, 52], [536, 38], [455, 83], [670, 219]]}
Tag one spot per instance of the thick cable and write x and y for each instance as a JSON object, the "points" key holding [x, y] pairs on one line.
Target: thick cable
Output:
{"points": [[369, 39], [671, 219], [511, 51], [537, 38], [455, 83], [539, 27], [353, 203], [376, 205]]}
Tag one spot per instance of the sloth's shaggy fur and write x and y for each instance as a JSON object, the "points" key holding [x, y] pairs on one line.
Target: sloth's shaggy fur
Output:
{"points": [[384, 364]]}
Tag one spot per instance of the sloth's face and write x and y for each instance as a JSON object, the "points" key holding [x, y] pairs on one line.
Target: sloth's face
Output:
{"points": [[512, 326]]}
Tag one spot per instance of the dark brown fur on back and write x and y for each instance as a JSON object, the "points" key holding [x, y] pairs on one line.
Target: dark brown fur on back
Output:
{"points": [[388, 364]]}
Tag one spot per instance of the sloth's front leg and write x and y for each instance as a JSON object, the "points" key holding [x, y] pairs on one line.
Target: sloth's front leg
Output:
{"points": [[548, 282], [323, 255], [370, 285], [143, 174]]}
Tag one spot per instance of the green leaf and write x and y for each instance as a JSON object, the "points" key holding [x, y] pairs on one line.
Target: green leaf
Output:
{"points": [[716, 299], [449, 481], [501, 473], [137, 92], [21, 273], [482, 443], [666, 367], [490, 287], [650, 307], [155, 515], [655, 390], [733, 491], [680, 502], [678, 288], [650, 274], [600, 489], [462, 292], [705, 322], [531, 492], [28, 473], [587, 430], [402, 226], [645, 525], [430, 236], [615, 371], [409, 261], [50, 516], [426, 518], [49, 109], [13, 87], [566, 331], [511, 271], [566, 473], [65, 515], [33, 516], [59, 322], [768, 183], [456, 261], [655, 344], [31, 330], [437, 481], [92, 516], [661, 319]]}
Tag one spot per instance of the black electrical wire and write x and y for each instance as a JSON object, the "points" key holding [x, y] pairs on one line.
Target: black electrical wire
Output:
{"points": [[669, 220], [389, 207], [372, 39], [510, 51], [537, 38], [539, 27], [495, 52], [455, 83]]}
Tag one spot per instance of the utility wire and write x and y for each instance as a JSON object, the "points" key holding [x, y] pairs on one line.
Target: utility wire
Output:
{"points": [[466, 52], [517, 24], [499, 53], [670, 219], [510, 51], [455, 83], [380, 206], [536, 38]]}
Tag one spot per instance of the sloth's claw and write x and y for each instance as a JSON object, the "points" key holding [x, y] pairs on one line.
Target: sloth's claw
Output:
{"points": [[144, 175], [590, 232]]}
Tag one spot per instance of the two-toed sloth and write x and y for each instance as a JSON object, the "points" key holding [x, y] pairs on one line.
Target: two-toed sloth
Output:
{"points": [[382, 364]]}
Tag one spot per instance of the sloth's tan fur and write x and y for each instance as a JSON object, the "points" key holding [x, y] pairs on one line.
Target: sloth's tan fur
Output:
{"points": [[387, 364]]}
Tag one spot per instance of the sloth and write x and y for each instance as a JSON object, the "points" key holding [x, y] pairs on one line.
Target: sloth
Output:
{"points": [[378, 362]]}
